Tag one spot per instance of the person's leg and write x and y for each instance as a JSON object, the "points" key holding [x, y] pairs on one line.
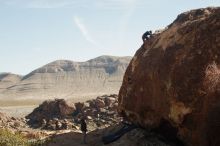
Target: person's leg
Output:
{"points": [[84, 137]]}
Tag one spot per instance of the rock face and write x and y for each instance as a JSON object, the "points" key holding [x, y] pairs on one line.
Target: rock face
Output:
{"points": [[68, 79], [173, 81]]}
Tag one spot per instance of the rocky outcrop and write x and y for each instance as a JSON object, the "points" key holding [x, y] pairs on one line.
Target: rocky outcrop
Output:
{"points": [[19, 126], [173, 81], [51, 109], [61, 114], [68, 79], [12, 123]]}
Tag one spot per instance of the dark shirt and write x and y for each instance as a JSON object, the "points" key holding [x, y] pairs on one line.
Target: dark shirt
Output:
{"points": [[146, 35]]}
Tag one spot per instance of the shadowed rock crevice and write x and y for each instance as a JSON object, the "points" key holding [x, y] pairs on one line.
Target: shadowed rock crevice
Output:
{"points": [[169, 132]]}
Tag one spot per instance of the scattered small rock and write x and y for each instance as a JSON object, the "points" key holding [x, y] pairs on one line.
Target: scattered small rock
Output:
{"points": [[59, 114]]}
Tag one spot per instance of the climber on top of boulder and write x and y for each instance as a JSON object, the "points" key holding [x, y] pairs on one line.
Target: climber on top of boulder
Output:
{"points": [[146, 35]]}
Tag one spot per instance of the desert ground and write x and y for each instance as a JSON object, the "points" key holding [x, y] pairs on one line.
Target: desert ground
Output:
{"points": [[21, 108]]}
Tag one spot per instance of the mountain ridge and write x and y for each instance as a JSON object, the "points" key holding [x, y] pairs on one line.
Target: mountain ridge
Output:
{"points": [[60, 78]]}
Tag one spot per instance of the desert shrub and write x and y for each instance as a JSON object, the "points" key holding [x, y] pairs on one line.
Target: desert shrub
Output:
{"points": [[8, 138]]}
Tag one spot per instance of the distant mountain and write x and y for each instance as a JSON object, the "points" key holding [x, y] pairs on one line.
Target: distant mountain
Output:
{"points": [[8, 79], [67, 79]]}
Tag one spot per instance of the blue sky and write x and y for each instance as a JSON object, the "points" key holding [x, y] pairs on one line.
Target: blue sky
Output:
{"points": [[36, 32]]}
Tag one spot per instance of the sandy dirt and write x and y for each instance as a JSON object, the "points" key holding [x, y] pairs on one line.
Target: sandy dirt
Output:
{"points": [[21, 108], [17, 111], [70, 139]]}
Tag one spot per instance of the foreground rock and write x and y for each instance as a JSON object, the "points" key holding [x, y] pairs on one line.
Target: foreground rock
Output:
{"points": [[173, 81], [61, 114]]}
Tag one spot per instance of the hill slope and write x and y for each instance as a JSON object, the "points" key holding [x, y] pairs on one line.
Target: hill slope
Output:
{"points": [[8, 79], [68, 79]]}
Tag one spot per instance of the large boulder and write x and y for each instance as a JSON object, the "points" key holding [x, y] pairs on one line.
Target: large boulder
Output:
{"points": [[79, 106], [99, 103], [58, 108], [173, 81], [109, 101], [66, 108]]}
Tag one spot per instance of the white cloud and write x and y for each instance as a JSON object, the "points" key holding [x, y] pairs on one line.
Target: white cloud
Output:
{"points": [[84, 31]]}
